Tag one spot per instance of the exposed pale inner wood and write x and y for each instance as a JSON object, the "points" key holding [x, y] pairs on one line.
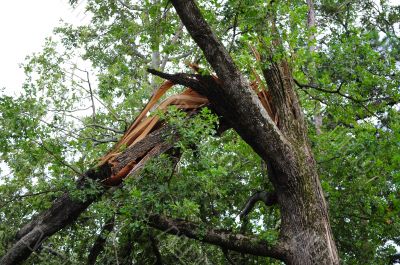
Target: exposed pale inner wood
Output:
{"points": [[144, 124]]}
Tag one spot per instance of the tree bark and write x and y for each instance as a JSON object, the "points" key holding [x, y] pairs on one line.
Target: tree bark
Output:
{"points": [[224, 239], [285, 148], [66, 209], [305, 236]]}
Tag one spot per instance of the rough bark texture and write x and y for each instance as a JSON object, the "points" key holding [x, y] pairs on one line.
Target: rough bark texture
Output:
{"points": [[65, 210], [224, 239], [291, 165], [268, 199], [305, 236]]}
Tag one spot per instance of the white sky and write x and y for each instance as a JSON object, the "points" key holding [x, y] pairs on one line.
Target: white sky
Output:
{"points": [[24, 24]]}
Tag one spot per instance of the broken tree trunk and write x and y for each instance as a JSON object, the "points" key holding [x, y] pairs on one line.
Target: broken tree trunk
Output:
{"points": [[146, 138], [277, 133], [66, 209], [305, 229]]}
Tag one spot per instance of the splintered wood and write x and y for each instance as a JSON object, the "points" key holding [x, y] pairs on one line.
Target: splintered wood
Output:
{"points": [[145, 124]]}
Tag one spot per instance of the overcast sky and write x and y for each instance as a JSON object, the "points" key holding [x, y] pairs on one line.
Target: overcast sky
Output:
{"points": [[24, 24]]}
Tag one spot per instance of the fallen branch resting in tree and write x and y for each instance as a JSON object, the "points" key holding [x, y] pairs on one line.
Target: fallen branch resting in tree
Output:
{"points": [[279, 139], [144, 139]]}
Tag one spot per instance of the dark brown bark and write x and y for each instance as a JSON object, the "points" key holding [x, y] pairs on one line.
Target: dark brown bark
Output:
{"points": [[268, 199], [125, 247], [100, 241], [65, 210], [291, 165], [305, 236], [156, 251], [224, 239]]}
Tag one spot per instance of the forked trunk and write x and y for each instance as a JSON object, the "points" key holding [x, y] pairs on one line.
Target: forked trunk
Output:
{"points": [[281, 142]]}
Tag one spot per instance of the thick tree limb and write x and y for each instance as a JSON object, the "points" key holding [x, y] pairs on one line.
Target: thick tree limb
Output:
{"points": [[100, 241], [285, 148], [224, 239], [234, 99], [268, 199], [156, 251], [65, 210]]}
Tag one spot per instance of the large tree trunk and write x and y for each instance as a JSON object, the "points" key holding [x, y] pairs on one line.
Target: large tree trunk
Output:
{"points": [[305, 228], [305, 236]]}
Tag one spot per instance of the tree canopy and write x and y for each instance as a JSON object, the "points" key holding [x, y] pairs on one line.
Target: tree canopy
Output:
{"points": [[89, 83]]}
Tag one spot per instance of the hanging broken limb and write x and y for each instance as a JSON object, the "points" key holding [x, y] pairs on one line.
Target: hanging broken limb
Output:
{"points": [[145, 138]]}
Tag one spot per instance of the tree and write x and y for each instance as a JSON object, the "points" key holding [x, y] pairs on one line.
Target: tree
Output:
{"points": [[279, 137]]}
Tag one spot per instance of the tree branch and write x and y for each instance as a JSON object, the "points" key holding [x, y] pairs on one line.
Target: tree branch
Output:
{"points": [[18, 197], [66, 209], [224, 239], [234, 99], [91, 97], [227, 257], [103, 141], [106, 128], [337, 91], [189, 80], [156, 251], [100, 241], [269, 199]]}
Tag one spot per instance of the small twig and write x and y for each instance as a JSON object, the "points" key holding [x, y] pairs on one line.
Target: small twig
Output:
{"points": [[27, 195], [59, 159], [103, 141], [176, 162], [328, 160], [235, 24], [106, 128], [69, 111], [91, 97], [54, 252], [337, 91], [6, 175], [130, 8], [67, 133], [173, 41], [94, 96]]}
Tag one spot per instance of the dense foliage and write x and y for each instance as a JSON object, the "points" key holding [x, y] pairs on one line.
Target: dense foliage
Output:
{"points": [[89, 82]]}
